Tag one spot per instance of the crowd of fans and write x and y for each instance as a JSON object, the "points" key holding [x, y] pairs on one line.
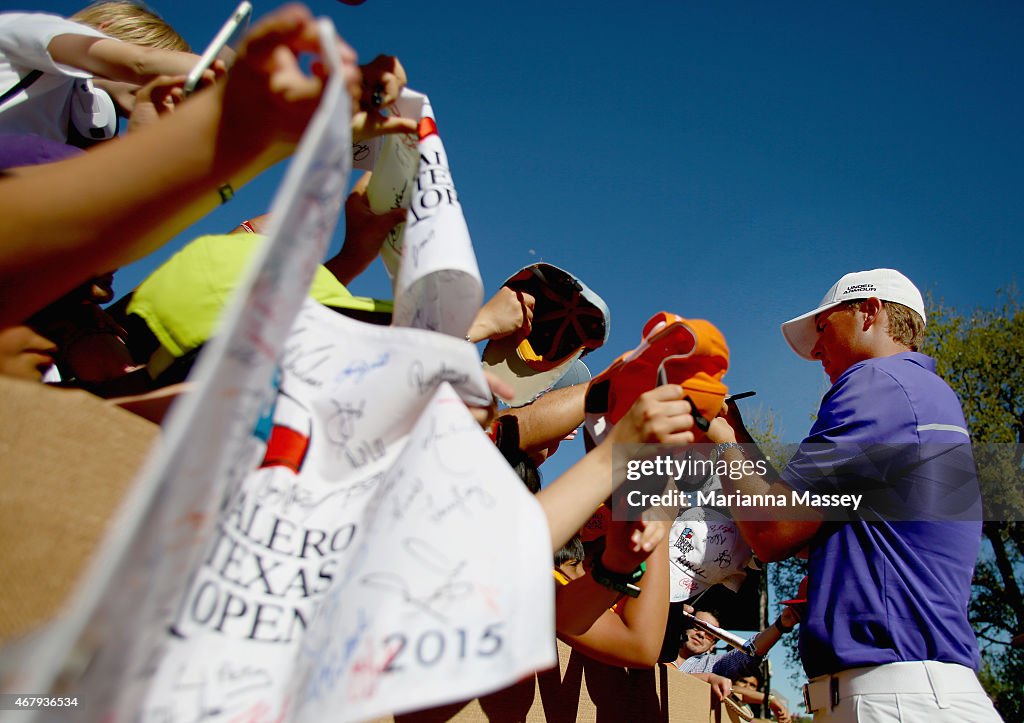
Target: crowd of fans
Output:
{"points": [[180, 156]]}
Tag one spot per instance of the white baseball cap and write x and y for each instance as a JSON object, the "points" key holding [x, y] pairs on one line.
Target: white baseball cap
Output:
{"points": [[884, 284]]}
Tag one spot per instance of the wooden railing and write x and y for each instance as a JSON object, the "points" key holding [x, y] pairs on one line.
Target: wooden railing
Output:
{"points": [[581, 689]]}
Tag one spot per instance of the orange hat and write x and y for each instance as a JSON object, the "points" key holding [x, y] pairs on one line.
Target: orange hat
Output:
{"points": [[689, 352]]}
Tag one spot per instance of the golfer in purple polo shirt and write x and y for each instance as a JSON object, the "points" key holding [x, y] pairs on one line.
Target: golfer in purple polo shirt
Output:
{"points": [[883, 499]]}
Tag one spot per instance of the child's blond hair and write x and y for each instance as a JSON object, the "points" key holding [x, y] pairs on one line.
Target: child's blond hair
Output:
{"points": [[131, 22]]}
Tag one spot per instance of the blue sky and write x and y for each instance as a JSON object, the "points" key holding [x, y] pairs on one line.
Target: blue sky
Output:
{"points": [[724, 160]]}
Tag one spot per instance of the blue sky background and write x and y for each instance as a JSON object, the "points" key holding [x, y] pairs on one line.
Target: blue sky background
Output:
{"points": [[724, 160]]}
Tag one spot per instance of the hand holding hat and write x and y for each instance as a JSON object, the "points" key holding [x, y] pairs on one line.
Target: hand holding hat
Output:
{"points": [[508, 312], [568, 320]]}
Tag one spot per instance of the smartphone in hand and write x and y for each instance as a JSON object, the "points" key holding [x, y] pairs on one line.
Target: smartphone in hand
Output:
{"points": [[220, 40]]}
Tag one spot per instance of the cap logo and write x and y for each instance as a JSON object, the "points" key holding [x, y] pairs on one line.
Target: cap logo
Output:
{"points": [[859, 289]]}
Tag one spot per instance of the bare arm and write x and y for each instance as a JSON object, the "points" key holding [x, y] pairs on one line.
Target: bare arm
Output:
{"points": [[659, 415], [549, 419], [766, 639], [126, 61], [160, 179], [118, 60], [632, 637], [579, 604], [774, 533], [749, 695], [721, 686]]}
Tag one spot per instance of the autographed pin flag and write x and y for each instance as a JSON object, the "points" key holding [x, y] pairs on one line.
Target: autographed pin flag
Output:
{"points": [[117, 615]]}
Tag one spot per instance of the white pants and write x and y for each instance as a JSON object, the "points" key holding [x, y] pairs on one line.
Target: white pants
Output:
{"points": [[928, 691]]}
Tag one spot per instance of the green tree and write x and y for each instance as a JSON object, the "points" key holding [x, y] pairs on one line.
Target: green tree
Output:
{"points": [[981, 355]]}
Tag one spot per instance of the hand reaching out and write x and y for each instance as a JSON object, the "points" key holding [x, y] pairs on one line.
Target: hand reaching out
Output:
{"points": [[268, 99], [657, 416], [156, 98], [790, 616], [627, 544], [383, 80], [365, 232], [721, 687], [779, 710], [507, 312], [728, 426]]}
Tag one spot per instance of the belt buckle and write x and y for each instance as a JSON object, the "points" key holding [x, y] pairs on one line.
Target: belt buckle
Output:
{"points": [[833, 693]]}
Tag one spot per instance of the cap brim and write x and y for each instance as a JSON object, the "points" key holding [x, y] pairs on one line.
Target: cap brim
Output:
{"points": [[801, 333], [577, 373], [502, 358]]}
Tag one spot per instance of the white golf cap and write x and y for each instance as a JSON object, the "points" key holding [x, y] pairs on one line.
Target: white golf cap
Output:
{"points": [[884, 284]]}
